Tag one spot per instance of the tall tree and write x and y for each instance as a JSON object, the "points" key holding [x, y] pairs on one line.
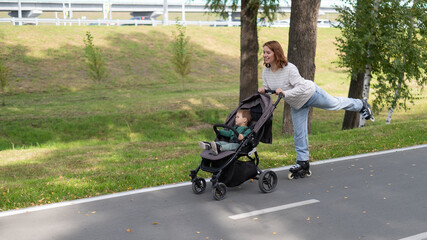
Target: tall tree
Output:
{"points": [[356, 22], [351, 25], [248, 49], [388, 39], [302, 47], [248, 36], [404, 33], [368, 66]]}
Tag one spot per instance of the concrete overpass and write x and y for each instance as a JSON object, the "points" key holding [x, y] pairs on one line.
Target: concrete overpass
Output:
{"points": [[150, 8]]}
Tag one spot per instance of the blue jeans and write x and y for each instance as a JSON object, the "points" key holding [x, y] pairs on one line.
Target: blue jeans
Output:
{"points": [[323, 100]]}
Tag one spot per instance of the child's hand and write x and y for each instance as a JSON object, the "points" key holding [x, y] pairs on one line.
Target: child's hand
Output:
{"points": [[240, 137]]}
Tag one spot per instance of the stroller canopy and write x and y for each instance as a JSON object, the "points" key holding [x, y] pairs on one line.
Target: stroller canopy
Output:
{"points": [[261, 107]]}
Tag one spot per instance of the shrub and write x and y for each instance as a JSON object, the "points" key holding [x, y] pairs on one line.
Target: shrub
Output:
{"points": [[94, 59]]}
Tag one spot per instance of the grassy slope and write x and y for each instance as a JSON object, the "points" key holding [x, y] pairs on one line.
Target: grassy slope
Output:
{"points": [[62, 137]]}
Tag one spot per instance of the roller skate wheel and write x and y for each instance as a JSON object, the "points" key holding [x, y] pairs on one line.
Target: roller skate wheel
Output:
{"points": [[291, 176], [308, 174]]}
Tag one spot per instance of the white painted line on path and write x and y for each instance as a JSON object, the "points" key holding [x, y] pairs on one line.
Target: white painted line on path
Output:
{"points": [[273, 209], [91, 199], [364, 155], [421, 236], [151, 189]]}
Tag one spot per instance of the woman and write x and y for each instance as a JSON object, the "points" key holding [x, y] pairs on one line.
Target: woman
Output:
{"points": [[301, 94]]}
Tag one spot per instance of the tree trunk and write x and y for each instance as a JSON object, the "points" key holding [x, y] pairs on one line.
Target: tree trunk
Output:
{"points": [[368, 68], [393, 104], [248, 49], [302, 48], [351, 119]]}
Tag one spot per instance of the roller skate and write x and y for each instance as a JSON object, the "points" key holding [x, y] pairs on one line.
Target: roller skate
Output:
{"points": [[366, 111], [299, 170]]}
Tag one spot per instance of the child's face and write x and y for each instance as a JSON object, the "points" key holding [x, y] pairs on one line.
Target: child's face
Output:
{"points": [[240, 120]]}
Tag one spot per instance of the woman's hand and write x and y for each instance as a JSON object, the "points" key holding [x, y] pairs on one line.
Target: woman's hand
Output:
{"points": [[279, 90], [261, 89]]}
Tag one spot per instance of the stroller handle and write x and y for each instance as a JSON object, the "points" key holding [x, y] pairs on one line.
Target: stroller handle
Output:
{"points": [[268, 91]]}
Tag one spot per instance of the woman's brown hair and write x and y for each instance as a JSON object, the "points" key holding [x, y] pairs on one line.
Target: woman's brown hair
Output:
{"points": [[278, 53]]}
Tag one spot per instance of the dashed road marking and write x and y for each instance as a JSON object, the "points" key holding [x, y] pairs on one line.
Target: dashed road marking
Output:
{"points": [[273, 209]]}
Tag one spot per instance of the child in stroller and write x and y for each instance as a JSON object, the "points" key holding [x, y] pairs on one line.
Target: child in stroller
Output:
{"points": [[243, 119], [226, 168]]}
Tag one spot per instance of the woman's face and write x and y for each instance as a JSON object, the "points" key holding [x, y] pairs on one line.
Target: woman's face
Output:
{"points": [[268, 55]]}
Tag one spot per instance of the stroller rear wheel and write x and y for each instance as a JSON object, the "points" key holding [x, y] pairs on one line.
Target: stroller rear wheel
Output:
{"points": [[267, 181], [219, 191], [199, 185]]}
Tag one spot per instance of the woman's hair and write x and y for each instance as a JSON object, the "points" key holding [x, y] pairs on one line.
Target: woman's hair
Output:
{"points": [[278, 53], [246, 113]]}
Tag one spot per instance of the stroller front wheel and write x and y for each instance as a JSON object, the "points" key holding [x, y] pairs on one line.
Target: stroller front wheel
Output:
{"points": [[267, 181], [199, 185], [219, 191]]}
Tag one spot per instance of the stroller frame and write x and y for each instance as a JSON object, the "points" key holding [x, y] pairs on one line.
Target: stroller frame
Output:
{"points": [[267, 180]]}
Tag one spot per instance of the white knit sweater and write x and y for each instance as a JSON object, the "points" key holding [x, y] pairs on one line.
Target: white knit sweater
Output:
{"points": [[297, 90]]}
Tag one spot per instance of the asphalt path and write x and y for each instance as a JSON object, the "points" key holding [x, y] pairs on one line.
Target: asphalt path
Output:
{"points": [[371, 196]]}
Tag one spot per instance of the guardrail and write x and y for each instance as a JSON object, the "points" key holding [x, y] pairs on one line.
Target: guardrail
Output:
{"points": [[120, 22], [114, 22]]}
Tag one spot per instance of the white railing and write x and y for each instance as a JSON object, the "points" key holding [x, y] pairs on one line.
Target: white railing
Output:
{"points": [[120, 22], [114, 22]]}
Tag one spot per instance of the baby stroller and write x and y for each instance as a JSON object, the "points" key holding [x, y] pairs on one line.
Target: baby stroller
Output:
{"points": [[226, 168]]}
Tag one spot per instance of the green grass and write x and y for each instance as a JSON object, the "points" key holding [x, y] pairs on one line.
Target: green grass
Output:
{"points": [[63, 138]]}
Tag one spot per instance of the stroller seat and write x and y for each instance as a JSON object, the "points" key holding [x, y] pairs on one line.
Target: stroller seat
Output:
{"points": [[209, 155]]}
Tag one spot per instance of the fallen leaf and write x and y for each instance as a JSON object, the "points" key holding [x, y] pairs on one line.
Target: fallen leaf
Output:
{"points": [[155, 223], [128, 230]]}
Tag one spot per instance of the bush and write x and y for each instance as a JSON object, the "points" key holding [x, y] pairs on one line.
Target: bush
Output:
{"points": [[95, 60], [181, 53]]}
